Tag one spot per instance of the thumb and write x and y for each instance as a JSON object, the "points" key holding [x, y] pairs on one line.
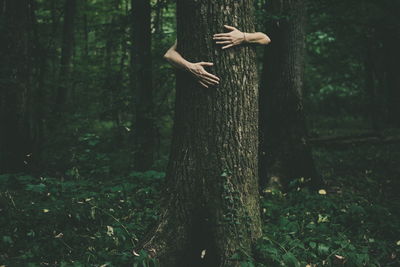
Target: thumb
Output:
{"points": [[230, 27], [206, 64]]}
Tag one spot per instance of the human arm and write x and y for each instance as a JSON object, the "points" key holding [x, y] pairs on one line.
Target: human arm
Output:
{"points": [[237, 37], [205, 78]]}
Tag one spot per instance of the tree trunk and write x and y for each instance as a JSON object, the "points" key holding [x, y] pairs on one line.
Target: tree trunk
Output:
{"points": [[38, 101], [212, 196], [85, 31], [373, 109], [142, 76], [285, 154], [15, 90], [392, 58], [66, 54]]}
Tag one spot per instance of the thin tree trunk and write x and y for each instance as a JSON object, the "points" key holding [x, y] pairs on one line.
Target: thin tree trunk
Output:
{"points": [[66, 55], [370, 86], [158, 17], [211, 203], [86, 30], [142, 76], [285, 153], [38, 101], [392, 58]]}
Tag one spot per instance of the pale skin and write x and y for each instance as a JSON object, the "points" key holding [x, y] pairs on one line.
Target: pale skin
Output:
{"points": [[229, 39]]}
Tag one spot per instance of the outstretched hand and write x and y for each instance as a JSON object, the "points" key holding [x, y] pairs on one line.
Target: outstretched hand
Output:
{"points": [[205, 78], [229, 39]]}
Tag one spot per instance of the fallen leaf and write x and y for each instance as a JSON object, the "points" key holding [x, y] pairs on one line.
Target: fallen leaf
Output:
{"points": [[203, 253], [110, 231], [135, 253], [339, 257], [322, 192], [59, 235]]}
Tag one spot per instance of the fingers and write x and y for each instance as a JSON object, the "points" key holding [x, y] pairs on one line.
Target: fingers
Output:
{"points": [[211, 78], [206, 83], [227, 46], [221, 35], [230, 27], [224, 42], [205, 78], [204, 73], [222, 38], [208, 79], [203, 84], [206, 64]]}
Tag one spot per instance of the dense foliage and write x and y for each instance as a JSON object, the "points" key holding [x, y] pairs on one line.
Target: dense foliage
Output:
{"points": [[86, 221]]}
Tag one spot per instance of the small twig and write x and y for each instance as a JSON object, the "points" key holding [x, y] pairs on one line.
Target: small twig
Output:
{"points": [[62, 241], [116, 219], [11, 198], [273, 241]]}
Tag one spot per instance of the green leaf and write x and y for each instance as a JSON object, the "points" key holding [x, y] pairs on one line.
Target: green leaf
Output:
{"points": [[290, 259], [323, 249], [39, 188]]}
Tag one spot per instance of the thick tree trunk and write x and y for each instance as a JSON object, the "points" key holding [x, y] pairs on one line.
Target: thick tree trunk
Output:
{"points": [[211, 203], [15, 86], [66, 54], [284, 154], [142, 75]]}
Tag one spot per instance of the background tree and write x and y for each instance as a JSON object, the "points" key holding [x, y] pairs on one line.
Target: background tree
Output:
{"points": [[142, 75], [285, 153], [66, 55], [17, 93]]}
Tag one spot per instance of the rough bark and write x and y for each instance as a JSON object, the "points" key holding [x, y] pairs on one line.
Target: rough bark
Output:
{"points": [[285, 153], [142, 76], [212, 188]]}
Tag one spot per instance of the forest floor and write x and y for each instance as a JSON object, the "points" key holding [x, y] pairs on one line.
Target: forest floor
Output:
{"points": [[94, 218]]}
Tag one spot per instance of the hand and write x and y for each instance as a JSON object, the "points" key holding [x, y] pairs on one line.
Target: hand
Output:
{"points": [[203, 77], [229, 39]]}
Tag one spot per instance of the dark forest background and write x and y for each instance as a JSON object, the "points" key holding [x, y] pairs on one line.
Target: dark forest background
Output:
{"points": [[79, 179]]}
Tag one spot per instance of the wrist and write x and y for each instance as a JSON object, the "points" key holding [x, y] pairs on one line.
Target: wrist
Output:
{"points": [[244, 38], [189, 66]]}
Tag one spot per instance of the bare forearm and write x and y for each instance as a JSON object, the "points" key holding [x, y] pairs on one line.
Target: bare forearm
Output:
{"points": [[256, 38], [237, 37], [205, 78], [175, 59]]}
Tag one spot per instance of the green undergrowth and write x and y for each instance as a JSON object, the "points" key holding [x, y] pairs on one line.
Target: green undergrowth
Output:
{"points": [[354, 221], [327, 230], [76, 222], [73, 221]]}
